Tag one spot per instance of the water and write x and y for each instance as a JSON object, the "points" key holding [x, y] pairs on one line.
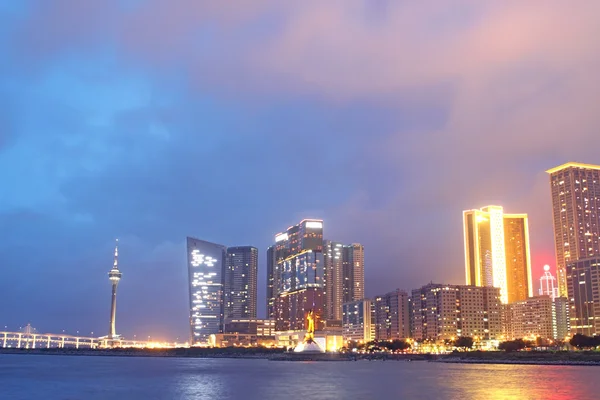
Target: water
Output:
{"points": [[115, 378]]}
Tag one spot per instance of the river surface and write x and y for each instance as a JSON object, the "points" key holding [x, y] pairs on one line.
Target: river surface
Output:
{"points": [[132, 378]]}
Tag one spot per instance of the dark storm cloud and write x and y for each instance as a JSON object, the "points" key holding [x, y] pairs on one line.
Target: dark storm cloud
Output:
{"points": [[155, 120]]}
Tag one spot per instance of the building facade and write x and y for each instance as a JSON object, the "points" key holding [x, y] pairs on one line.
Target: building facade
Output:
{"points": [[333, 280], [392, 316], [298, 274], [497, 252], [583, 288], [241, 269], [562, 323], [271, 282], [531, 318], [353, 272], [206, 262], [250, 326], [344, 276], [445, 312], [358, 321], [292, 308], [548, 285], [575, 190]]}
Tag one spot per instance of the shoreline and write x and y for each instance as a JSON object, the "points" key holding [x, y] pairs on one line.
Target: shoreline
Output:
{"points": [[500, 358], [520, 362]]}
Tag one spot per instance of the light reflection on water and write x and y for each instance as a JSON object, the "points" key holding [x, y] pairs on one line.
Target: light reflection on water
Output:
{"points": [[115, 378]]}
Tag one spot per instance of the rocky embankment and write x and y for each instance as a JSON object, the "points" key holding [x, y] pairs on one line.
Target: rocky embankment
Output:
{"points": [[524, 358]]}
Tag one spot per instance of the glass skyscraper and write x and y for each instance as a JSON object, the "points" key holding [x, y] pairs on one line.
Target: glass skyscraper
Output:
{"points": [[575, 192], [241, 268], [206, 263]]}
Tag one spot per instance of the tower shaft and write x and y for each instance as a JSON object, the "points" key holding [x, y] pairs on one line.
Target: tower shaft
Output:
{"points": [[113, 312]]}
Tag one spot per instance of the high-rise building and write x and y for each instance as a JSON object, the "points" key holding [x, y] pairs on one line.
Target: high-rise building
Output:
{"points": [[548, 285], [241, 268], [561, 323], [392, 316], [443, 312], [353, 272], [583, 288], [344, 276], [576, 215], [114, 275], [358, 320], [206, 263], [333, 278], [271, 282], [497, 252], [298, 273]]}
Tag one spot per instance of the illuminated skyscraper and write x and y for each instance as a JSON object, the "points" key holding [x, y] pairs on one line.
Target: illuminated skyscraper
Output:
{"points": [[333, 279], [241, 268], [548, 284], [576, 215], [583, 288], [298, 273], [206, 263], [354, 272], [114, 276], [497, 252], [271, 285], [343, 276]]}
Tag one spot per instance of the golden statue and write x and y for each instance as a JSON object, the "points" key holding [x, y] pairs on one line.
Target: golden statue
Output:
{"points": [[310, 327]]}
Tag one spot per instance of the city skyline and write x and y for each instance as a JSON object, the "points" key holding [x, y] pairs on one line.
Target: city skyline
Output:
{"points": [[157, 123]]}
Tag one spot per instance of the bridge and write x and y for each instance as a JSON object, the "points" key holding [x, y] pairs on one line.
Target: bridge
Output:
{"points": [[29, 338]]}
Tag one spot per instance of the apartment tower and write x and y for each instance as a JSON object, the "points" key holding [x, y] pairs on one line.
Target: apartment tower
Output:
{"points": [[575, 192]]}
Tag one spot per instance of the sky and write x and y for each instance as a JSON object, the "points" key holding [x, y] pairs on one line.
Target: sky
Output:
{"points": [[155, 120]]}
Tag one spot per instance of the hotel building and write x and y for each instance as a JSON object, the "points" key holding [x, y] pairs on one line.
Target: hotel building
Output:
{"points": [[392, 315], [205, 275], [497, 252], [575, 189], [445, 312], [583, 287], [297, 271], [241, 268]]}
